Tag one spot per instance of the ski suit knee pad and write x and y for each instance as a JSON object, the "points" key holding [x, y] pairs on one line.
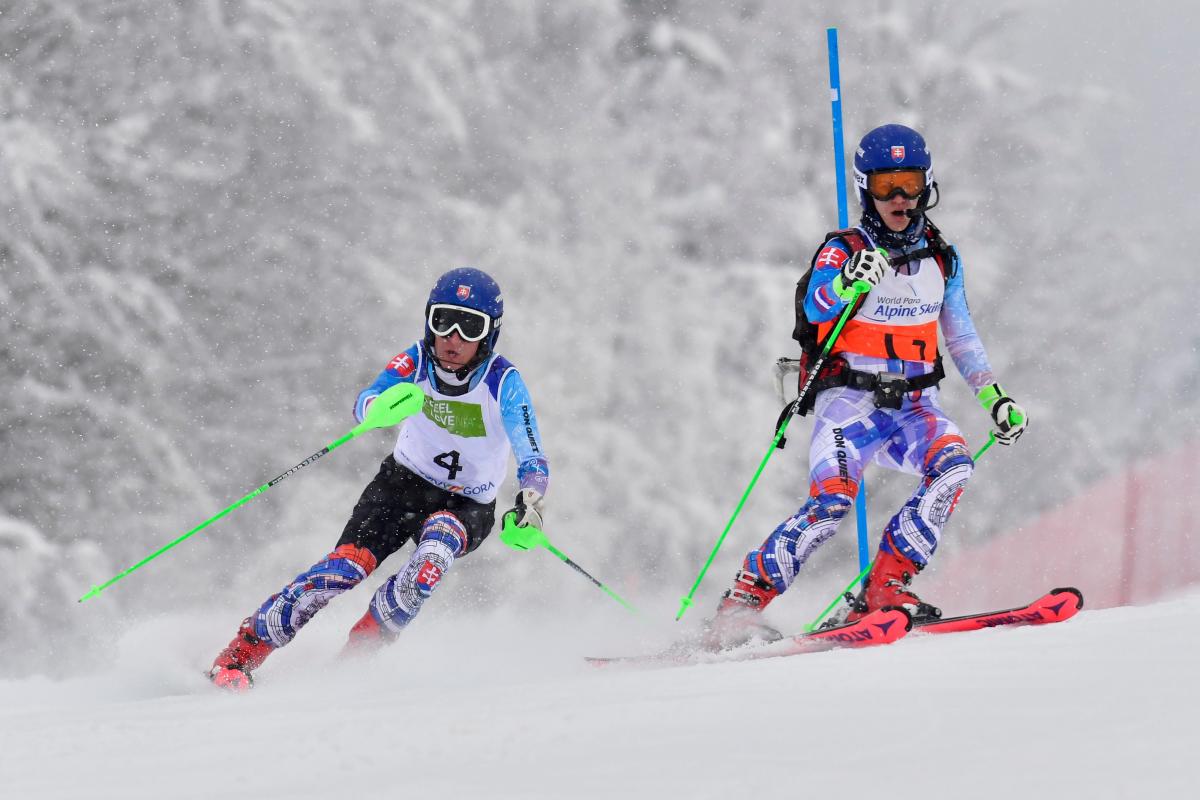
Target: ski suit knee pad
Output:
{"points": [[916, 529], [780, 557], [397, 601], [283, 614]]}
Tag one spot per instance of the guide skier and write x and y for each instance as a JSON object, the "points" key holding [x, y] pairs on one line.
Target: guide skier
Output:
{"points": [[876, 397], [437, 487]]}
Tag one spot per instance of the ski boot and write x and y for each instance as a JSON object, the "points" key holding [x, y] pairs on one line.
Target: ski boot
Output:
{"points": [[246, 652], [738, 620], [367, 636], [887, 585]]}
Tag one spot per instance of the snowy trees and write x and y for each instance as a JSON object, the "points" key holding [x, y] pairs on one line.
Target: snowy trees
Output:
{"points": [[220, 219]]}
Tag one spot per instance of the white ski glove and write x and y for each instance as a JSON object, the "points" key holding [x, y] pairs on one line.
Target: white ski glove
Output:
{"points": [[529, 508], [1010, 419], [865, 265]]}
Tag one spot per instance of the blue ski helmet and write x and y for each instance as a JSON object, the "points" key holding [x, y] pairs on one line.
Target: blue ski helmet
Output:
{"points": [[467, 287], [891, 147]]}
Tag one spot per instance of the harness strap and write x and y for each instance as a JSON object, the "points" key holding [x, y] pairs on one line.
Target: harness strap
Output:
{"points": [[868, 381], [915, 255]]}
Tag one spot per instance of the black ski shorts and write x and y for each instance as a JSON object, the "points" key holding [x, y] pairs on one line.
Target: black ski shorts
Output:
{"points": [[396, 503]]}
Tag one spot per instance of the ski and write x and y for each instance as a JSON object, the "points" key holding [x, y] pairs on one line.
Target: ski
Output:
{"points": [[879, 627], [1055, 606]]}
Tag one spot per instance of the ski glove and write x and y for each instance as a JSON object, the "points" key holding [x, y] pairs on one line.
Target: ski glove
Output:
{"points": [[865, 265], [1010, 419], [528, 509]]}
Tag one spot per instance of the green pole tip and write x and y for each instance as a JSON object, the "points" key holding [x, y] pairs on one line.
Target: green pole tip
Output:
{"points": [[684, 604]]}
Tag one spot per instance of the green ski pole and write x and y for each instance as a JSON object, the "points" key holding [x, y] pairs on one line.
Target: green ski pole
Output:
{"points": [[860, 288], [529, 538], [813, 625], [391, 407]]}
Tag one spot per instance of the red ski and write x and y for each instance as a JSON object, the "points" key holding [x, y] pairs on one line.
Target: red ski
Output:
{"points": [[878, 627], [1058, 605]]}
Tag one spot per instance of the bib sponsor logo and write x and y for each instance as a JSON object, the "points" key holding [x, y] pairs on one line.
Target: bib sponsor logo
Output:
{"points": [[890, 308], [458, 488], [456, 417], [402, 365], [897, 153], [470, 491]]}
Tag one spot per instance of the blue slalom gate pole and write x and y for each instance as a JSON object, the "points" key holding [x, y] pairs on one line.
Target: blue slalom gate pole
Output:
{"points": [[839, 152], [839, 164]]}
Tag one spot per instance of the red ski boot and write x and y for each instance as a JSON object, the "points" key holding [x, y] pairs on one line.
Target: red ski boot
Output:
{"points": [[887, 585], [738, 620], [366, 637], [246, 652]]}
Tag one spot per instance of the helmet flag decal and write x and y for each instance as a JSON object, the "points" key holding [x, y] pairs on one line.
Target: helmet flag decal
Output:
{"points": [[889, 148], [470, 291]]}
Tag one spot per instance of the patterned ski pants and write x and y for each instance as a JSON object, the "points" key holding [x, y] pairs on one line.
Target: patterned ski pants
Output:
{"points": [[395, 507], [442, 539], [848, 432]]}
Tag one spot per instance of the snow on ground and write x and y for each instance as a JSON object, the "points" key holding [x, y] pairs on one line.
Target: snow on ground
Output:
{"points": [[1102, 706]]}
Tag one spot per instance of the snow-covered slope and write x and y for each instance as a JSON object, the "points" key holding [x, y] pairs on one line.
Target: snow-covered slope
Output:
{"points": [[1101, 706]]}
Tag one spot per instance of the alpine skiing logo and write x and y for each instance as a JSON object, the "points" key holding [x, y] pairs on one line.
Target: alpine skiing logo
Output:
{"points": [[402, 365], [897, 153], [463, 292]]}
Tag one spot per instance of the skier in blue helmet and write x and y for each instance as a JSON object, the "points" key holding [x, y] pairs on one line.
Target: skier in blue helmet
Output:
{"points": [[876, 398], [470, 300], [437, 487], [893, 161]]}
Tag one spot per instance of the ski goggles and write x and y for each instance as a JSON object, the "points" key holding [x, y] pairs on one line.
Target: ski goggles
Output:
{"points": [[909, 183], [471, 325]]}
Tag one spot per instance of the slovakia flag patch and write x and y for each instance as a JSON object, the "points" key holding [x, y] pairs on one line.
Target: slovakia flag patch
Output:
{"points": [[428, 576], [831, 257], [897, 153], [402, 365], [463, 291]]}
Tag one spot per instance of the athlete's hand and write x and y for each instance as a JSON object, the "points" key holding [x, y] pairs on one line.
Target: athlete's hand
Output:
{"points": [[865, 265], [529, 508], [1010, 419]]}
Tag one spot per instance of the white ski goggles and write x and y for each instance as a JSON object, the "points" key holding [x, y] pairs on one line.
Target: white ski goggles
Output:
{"points": [[471, 325]]}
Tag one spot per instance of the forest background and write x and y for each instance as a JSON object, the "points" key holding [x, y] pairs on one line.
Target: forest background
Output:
{"points": [[221, 218]]}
